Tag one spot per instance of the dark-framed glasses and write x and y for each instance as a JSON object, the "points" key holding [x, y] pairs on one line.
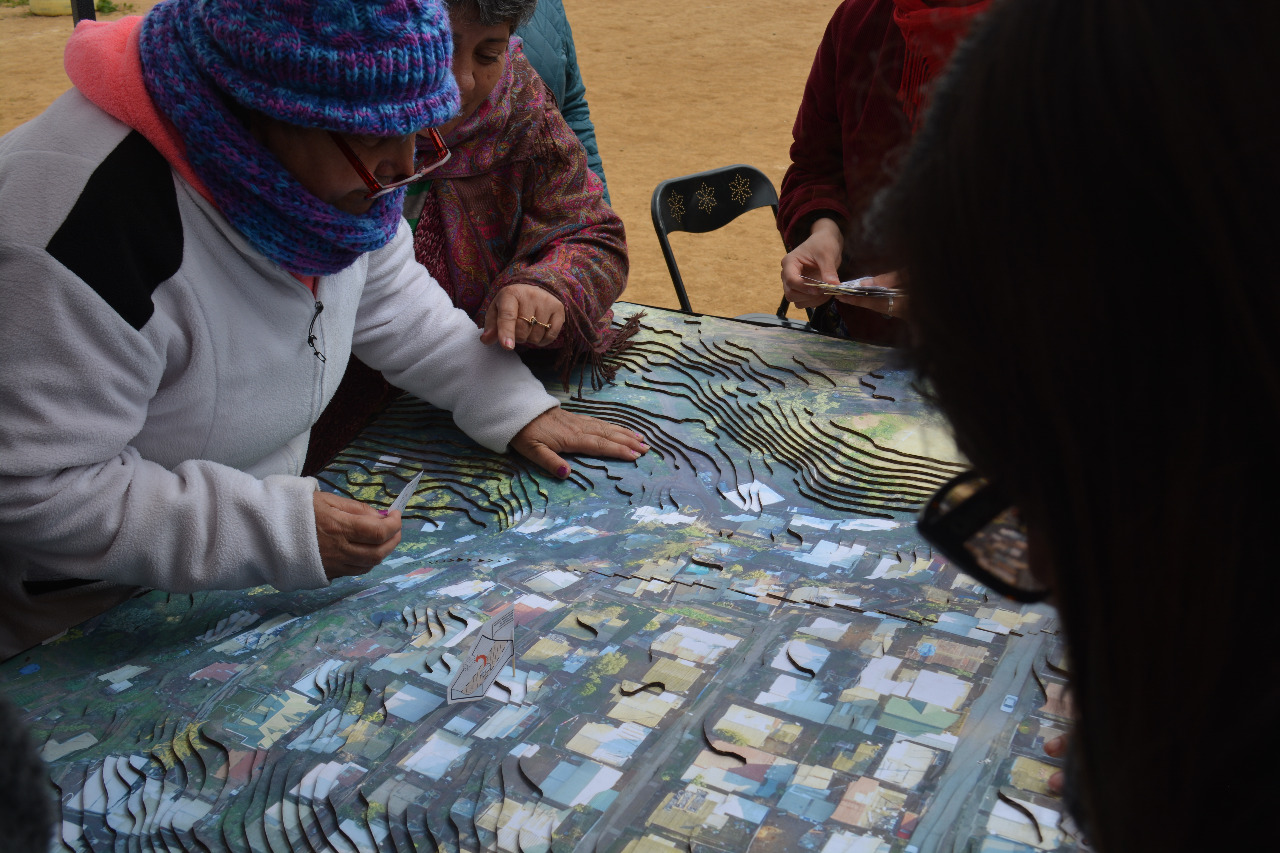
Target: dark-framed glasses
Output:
{"points": [[429, 152], [980, 532]]}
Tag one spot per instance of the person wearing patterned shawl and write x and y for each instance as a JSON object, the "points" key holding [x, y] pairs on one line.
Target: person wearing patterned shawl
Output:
{"points": [[514, 226], [516, 219]]}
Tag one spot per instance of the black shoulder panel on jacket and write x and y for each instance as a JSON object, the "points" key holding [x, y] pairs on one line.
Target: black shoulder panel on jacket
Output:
{"points": [[123, 237]]}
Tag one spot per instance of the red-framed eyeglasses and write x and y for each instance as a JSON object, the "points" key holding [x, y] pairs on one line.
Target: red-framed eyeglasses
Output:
{"points": [[429, 153]]}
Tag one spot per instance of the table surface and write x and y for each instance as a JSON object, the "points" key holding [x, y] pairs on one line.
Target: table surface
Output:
{"points": [[737, 642]]}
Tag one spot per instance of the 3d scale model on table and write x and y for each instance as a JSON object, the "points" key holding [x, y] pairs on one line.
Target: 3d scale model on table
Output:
{"points": [[737, 642]]}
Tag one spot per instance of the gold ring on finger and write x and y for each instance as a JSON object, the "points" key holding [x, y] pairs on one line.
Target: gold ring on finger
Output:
{"points": [[546, 326], [531, 320]]}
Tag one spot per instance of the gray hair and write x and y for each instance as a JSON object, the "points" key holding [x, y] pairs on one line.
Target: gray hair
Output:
{"points": [[493, 12]]}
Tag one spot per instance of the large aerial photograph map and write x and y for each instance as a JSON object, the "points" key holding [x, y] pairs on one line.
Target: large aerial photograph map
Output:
{"points": [[737, 642]]}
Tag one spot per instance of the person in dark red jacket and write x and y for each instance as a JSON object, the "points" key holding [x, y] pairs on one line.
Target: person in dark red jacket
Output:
{"points": [[866, 91]]}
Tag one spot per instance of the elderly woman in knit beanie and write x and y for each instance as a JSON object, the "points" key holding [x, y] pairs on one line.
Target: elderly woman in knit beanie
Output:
{"points": [[195, 239]]}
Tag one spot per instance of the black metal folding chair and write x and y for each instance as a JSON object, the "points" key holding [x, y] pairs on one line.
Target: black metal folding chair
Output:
{"points": [[705, 201], [82, 10]]}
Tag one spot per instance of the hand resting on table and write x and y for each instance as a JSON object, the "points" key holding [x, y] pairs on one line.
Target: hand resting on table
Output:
{"points": [[556, 431]]}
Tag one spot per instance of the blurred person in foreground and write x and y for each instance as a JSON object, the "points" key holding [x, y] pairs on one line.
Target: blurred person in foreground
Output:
{"points": [[195, 239], [27, 813], [1086, 227]]}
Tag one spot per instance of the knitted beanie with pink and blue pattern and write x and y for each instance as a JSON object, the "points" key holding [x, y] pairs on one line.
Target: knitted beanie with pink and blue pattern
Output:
{"points": [[381, 67], [377, 67]]}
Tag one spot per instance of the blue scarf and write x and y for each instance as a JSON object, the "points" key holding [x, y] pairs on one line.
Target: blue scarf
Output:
{"points": [[264, 201]]}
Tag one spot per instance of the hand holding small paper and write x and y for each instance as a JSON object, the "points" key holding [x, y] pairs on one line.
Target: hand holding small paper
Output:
{"points": [[817, 257], [353, 537]]}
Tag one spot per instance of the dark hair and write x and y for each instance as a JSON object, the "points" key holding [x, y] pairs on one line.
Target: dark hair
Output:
{"points": [[493, 12], [26, 812], [1085, 225]]}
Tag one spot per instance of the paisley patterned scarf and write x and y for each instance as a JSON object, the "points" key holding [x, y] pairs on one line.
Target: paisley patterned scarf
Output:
{"points": [[517, 203]]}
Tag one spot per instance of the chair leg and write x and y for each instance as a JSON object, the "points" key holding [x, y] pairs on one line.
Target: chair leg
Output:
{"points": [[674, 271], [682, 295], [782, 313]]}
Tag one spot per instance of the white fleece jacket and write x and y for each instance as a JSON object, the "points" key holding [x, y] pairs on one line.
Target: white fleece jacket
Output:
{"points": [[159, 446]]}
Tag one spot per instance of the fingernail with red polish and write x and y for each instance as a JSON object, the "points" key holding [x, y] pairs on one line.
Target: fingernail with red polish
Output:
{"points": [[384, 512], [562, 471], [509, 343]]}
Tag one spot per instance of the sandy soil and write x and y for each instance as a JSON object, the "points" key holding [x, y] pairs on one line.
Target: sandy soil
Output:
{"points": [[675, 86]]}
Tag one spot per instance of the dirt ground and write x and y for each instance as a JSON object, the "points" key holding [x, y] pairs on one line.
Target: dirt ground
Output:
{"points": [[675, 86]]}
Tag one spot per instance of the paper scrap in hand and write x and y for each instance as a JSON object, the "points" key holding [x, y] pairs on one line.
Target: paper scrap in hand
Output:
{"points": [[493, 649], [402, 500], [853, 287]]}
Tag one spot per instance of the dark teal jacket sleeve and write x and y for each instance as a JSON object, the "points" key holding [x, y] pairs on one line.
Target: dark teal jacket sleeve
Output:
{"points": [[548, 44]]}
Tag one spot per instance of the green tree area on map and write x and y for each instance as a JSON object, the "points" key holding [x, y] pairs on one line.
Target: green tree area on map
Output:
{"points": [[600, 668], [677, 541], [699, 616], [732, 737]]}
